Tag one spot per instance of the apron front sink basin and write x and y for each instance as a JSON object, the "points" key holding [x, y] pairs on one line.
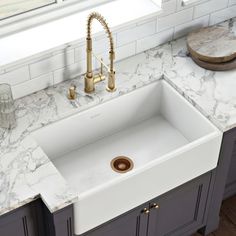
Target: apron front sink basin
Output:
{"points": [[167, 139]]}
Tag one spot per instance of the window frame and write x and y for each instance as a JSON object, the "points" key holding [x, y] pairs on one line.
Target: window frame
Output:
{"points": [[45, 14]]}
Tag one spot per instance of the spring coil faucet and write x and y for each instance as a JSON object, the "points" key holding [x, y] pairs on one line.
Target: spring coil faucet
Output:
{"points": [[90, 79]]}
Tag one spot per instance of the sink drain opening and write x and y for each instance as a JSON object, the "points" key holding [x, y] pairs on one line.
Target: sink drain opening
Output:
{"points": [[122, 164]]}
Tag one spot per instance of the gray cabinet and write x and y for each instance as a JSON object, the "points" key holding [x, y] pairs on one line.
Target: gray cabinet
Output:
{"points": [[22, 222], [34, 219], [230, 188], [178, 212], [223, 181], [59, 223]]}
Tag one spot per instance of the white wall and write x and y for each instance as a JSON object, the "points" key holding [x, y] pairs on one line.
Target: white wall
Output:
{"points": [[48, 68]]}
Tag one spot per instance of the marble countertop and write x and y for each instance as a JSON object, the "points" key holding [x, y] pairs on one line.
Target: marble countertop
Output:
{"points": [[26, 172], [213, 93]]}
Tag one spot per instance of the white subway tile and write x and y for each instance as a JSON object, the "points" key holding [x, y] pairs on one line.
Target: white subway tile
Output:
{"points": [[99, 46], [126, 27], [223, 15], [69, 72], [232, 2], [16, 76], [55, 62], [122, 52], [31, 86], [2, 71], [168, 7], [184, 29], [174, 19], [181, 6], [102, 44], [144, 21], [80, 53], [65, 48], [9, 68], [135, 33], [209, 7], [55, 66], [154, 40], [26, 61]]}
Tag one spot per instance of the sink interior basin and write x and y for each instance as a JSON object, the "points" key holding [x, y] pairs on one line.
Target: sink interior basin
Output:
{"points": [[165, 137]]}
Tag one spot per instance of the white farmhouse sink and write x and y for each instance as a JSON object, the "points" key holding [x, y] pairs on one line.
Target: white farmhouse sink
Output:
{"points": [[169, 141]]}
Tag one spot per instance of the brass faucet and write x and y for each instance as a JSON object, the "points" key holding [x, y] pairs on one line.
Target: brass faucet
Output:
{"points": [[90, 79]]}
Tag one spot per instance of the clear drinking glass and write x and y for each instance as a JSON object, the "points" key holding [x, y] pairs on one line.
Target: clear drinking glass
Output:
{"points": [[7, 108]]}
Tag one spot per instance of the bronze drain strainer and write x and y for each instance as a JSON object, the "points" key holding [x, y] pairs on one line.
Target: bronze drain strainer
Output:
{"points": [[122, 164]]}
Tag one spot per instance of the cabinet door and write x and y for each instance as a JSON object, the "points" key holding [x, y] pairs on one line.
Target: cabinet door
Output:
{"points": [[230, 188], [59, 223], [133, 223], [21, 222], [180, 210]]}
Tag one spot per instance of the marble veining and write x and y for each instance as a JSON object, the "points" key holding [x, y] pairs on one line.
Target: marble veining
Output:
{"points": [[213, 93], [27, 173]]}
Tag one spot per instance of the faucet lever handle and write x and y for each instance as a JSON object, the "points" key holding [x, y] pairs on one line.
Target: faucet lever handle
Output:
{"points": [[100, 76], [101, 70]]}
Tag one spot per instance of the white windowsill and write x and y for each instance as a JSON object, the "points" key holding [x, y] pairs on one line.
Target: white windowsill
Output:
{"points": [[73, 28]]}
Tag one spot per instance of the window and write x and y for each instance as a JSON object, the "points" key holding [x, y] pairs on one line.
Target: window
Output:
{"points": [[17, 15], [70, 29], [10, 8]]}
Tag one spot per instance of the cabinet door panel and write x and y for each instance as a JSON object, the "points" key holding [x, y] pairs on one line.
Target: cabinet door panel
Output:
{"points": [[60, 223], [13, 228], [21, 222], [179, 210], [230, 188], [142, 224], [133, 223]]}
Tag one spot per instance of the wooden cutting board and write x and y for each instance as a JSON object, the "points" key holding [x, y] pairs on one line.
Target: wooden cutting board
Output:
{"points": [[214, 44], [216, 66]]}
